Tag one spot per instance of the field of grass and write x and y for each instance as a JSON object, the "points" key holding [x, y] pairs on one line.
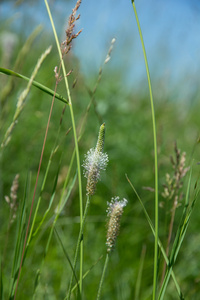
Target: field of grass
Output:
{"points": [[55, 222]]}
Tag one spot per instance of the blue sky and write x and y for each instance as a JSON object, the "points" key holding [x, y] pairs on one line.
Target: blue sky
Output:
{"points": [[170, 30]]}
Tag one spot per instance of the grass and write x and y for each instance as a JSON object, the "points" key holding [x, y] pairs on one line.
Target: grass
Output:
{"points": [[155, 156], [53, 234]]}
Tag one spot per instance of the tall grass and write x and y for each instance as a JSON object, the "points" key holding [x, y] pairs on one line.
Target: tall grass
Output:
{"points": [[54, 243], [155, 157]]}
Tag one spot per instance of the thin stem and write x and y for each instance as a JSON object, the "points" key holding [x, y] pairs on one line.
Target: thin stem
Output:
{"points": [[159, 242], [169, 237], [139, 276], [155, 156], [38, 204], [75, 138], [35, 188], [80, 238], [102, 277]]}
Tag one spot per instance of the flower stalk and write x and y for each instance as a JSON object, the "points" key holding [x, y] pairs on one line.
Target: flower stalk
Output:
{"points": [[114, 212]]}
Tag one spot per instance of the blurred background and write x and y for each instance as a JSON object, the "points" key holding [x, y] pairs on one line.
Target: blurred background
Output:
{"points": [[170, 30], [121, 100]]}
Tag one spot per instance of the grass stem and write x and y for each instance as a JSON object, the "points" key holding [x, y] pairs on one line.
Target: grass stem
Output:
{"points": [[80, 238], [102, 276], [155, 155], [75, 137]]}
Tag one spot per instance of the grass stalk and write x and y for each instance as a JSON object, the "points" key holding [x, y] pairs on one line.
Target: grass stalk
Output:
{"points": [[102, 276], [155, 156], [159, 242], [80, 238], [34, 194], [187, 211], [39, 201], [75, 137], [87, 272], [19, 245], [139, 276]]}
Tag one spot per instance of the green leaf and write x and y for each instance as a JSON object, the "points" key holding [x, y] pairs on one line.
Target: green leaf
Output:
{"points": [[35, 83]]}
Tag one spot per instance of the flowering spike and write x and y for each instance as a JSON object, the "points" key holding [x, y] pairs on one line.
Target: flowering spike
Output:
{"points": [[114, 211], [101, 139], [95, 160], [12, 200]]}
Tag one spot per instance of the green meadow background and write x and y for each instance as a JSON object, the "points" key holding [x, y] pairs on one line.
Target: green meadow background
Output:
{"points": [[126, 111]]}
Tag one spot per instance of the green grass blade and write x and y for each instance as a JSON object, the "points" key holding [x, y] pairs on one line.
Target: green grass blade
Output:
{"points": [[44, 216], [23, 52], [139, 276], [187, 211], [56, 216], [22, 99], [31, 234], [80, 237], [173, 256], [159, 242], [74, 133], [21, 229], [68, 258], [155, 156], [64, 200], [103, 276], [35, 83], [36, 282], [85, 274]]}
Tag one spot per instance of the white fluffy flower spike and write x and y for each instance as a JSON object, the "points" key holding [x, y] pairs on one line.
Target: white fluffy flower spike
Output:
{"points": [[95, 161], [114, 211]]}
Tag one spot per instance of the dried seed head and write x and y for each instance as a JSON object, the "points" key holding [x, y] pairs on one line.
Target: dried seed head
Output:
{"points": [[95, 161], [12, 200], [174, 183], [109, 51], [114, 211], [70, 35]]}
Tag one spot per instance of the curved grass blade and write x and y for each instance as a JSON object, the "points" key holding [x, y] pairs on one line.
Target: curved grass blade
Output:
{"points": [[86, 273], [35, 83], [20, 233], [22, 99], [103, 276], [68, 259], [24, 51], [155, 273], [159, 242], [55, 218], [33, 234], [140, 271], [187, 211], [74, 133]]}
